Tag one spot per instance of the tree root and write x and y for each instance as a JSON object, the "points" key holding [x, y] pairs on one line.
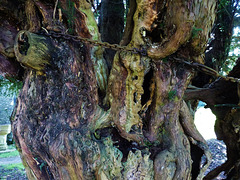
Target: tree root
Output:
{"points": [[194, 136]]}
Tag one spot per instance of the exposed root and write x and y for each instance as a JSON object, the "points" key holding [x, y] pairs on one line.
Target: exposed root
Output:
{"points": [[194, 136], [207, 153], [188, 124]]}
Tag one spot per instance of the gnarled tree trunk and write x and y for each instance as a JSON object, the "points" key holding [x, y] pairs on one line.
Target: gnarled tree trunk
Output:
{"points": [[142, 128]]}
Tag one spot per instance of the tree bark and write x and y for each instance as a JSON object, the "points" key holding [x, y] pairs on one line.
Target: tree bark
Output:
{"points": [[142, 129]]}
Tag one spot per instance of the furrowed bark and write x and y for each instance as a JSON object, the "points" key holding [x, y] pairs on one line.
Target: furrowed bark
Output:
{"points": [[63, 127], [52, 127], [163, 130]]}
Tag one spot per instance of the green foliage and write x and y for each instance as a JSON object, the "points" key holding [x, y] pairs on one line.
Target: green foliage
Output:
{"points": [[228, 9], [10, 87], [222, 5], [195, 31], [147, 143], [9, 154], [228, 65], [13, 166], [165, 59], [42, 165], [162, 130], [234, 52], [172, 94], [70, 13]]}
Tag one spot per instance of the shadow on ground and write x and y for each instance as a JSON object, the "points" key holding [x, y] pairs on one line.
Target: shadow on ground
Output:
{"points": [[12, 173]]}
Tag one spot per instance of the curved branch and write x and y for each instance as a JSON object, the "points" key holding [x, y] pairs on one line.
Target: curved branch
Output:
{"points": [[179, 29], [181, 36], [184, 29]]}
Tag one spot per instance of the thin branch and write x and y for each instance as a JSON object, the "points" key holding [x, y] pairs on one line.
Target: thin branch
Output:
{"points": [[214, 173], [129, 24], [55, 8]]}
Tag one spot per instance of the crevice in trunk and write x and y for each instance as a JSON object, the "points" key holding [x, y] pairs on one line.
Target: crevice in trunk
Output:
{"points": [[111, 24], [146, 87], [23, 44], [156, 34], [102, 104], [146, 98], [196, 155]]}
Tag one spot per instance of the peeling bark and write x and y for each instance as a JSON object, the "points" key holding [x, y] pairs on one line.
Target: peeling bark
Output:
{"points": [[33, 50]]}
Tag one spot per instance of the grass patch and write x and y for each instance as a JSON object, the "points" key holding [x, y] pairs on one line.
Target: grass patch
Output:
{"points": [[9, 154], [12, 171], [13, 166]]}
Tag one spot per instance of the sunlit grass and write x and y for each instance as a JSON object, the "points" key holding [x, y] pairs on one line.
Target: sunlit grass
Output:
{"points": [[9, 154], [12, 171], [13, 166]]}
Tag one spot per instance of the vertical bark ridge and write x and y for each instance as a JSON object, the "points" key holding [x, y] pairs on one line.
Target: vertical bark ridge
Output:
{"points": [[67, 94]]}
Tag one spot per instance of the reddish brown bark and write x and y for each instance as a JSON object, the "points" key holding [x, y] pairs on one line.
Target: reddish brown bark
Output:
{"points": [[142, 128]]}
